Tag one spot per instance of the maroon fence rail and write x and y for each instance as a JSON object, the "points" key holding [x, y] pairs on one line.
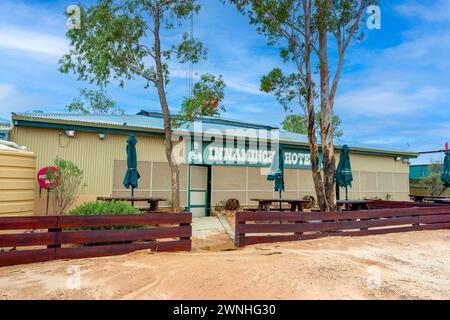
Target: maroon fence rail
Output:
{"points": [[385, 204], [53, 237], [265, 227]]}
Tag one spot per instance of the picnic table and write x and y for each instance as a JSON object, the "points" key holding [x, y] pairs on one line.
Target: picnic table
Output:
{"points": [[442, 200], [296, 204], [422, 198], [354, 205], [152, 201]]}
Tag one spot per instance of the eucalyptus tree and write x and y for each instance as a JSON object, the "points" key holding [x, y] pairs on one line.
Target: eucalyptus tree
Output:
{"points": [[299, 124], [303, 29], [122, 40], [94, 101]]}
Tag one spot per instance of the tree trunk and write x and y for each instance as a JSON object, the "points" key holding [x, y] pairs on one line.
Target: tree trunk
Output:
{"points": [[312, 140], [160, 84], [315, 160], [326, 120], [312, 137]]}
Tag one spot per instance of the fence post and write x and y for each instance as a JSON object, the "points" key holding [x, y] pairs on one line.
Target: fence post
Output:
{"points": [[299, 235], [237, 230], [55, 232], [365, 220], [188, 238]]}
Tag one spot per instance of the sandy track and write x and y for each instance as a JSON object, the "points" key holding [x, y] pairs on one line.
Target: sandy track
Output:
{"points": [[412, 265]]}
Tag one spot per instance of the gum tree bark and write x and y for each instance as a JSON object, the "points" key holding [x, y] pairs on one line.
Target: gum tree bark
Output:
{"points": [[120, 40], [326, 124], [168, 132], [303, 28]]}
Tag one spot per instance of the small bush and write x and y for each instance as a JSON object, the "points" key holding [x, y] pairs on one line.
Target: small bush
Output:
{"points": [[99, 208], [71, 185]]}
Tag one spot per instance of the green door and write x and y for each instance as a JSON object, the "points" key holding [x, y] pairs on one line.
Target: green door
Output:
{"points": [[199, 191]]}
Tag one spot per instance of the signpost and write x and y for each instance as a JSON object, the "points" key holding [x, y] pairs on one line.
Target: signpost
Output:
{"points": [[49, 178]]}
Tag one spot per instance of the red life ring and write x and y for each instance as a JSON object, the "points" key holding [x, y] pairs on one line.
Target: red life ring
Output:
{"points": [[47, 181]]}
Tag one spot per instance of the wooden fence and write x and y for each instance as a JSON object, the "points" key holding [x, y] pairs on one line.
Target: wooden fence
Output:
{"points": [[47, 239], [386, 204], [265, 227]]}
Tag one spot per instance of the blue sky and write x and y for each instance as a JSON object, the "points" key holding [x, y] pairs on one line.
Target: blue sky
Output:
{"points": [[394, 92]]}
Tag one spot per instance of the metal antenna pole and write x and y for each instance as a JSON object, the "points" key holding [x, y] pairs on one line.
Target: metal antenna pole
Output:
{"points": [[191, 64]]}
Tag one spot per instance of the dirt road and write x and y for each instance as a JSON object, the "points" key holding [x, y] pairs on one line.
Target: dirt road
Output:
{"points": [[412, 265]]}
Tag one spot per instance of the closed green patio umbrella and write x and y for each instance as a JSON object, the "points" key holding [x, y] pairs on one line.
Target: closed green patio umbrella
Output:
{"points": [[445, 176], [276, 172], [132, 175], [344, 175]]}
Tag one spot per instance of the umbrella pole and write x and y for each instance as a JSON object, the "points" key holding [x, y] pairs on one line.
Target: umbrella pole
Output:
{"points": [[132, 196], [346, 193]]}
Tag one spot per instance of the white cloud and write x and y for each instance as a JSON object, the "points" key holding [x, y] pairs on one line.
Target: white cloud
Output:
{"points": [[33, 42], [5, 91], [252, 109], [12, 99], [390, 98], [436, 11], [422, 50], [243, 82]]}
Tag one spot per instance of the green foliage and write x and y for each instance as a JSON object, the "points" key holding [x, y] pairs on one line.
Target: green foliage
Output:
{"points": [[285, 24], [98, 208], [206, 98], [91, 101], [295, 123], [286, 88], [299, 124], [71, 185], [120, 40], [433, 181]]}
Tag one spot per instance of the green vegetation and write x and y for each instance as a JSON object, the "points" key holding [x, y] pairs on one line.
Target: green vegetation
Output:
{"points": [[92, 101], [207, 94], [313, 37], [98, 208], [124, 40], [433, 183], [71, 185], [299, 124]]}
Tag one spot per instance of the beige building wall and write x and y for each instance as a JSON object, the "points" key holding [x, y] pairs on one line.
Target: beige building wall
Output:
{"points": [[154, 181], [374, 176], [378, 176], [101, 160]]}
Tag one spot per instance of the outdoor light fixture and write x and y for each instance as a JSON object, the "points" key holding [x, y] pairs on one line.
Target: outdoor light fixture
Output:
{"points": [[101, 136], [398, 158], [70, 133]]}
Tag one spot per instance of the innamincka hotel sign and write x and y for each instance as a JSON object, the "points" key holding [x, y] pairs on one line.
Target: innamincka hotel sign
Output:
{"points": [[243, 155]]}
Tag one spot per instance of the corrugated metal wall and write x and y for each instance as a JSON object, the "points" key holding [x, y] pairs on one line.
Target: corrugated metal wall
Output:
{"points": [[93, 155], [373, 176]]}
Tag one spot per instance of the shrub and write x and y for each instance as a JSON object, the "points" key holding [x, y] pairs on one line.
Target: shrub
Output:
{"points": [[98, 208], [71, 185]]}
